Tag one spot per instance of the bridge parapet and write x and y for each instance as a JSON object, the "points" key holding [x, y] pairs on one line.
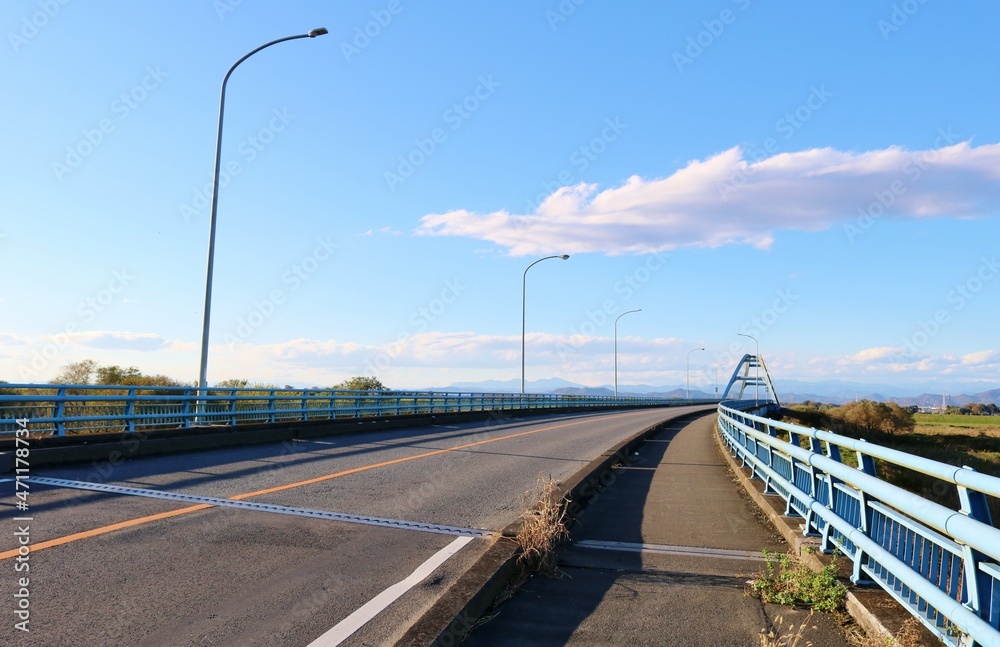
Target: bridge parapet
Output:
{"points": [[66, 409], [942, 565]]}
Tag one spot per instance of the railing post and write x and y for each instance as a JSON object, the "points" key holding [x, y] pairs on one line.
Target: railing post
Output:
{"points": [[271, 406], [867, 465], [810, 529], [232, 407], [770, 431], [130, 411], [186, 409], [975, 505], [832, 452], [59, 413]]}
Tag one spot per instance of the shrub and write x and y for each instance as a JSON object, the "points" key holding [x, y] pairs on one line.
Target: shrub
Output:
{"points": [[791, 583]]}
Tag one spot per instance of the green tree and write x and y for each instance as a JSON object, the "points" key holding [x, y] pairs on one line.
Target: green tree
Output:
{"points": [[233, 383], [116, 375], [900, 420], [361, 383], [239, 383], [81, 372], [880, 417], [88, 371]]}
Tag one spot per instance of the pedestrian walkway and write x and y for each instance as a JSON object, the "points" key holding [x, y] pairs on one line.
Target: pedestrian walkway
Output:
{"points": [[660, 558]]}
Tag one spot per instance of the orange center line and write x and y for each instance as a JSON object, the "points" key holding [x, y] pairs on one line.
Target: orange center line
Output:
{"points": [[59, 541], [395, 461]]}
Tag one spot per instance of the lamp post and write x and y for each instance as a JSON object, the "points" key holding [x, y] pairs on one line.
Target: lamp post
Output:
{"points": [[616, 345], [524, 280], [687, 392], [203, 369], [756, 386]]}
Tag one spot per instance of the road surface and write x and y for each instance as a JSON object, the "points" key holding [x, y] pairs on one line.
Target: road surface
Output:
{"points": [[125, 568]]}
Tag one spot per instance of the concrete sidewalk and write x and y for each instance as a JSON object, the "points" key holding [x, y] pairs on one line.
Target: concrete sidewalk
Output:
{"points": [[660, 558]]}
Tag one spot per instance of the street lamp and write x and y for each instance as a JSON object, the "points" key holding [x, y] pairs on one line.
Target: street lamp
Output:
{"points": [[687, 392], [616, 345], [756, 386], [203, 370], [524, 279]]}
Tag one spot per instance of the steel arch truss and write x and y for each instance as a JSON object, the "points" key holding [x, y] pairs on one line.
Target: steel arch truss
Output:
{"points": [[751, 372]]}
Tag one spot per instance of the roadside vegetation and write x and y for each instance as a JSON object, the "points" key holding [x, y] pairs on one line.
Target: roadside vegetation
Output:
{"points": [[543, 526], [89, 372], [780, 636], [255, 397], [791, 582], [960, 439]]}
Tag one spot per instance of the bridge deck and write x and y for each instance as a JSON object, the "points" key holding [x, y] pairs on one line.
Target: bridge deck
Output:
{"points": [[685, 543]]}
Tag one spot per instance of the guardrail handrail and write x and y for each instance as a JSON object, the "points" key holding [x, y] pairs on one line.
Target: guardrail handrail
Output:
{"points": [[939, 563], [66, 409]]}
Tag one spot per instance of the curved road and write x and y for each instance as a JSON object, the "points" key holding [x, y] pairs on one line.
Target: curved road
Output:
{"points": [[122, 568]]}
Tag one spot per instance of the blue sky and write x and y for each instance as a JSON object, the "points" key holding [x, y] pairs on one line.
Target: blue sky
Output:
{"points": [[823, 176]]}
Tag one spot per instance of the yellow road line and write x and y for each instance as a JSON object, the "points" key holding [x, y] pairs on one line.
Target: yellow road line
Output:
{"points": [[395, 461], [59, 541]]}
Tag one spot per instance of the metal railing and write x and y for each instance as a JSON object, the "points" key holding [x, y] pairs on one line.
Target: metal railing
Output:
{"points": [[63, 410], [941, 564]]}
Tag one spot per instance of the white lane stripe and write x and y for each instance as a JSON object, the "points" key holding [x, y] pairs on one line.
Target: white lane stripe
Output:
{"points": [[688, 551], [346, 627]]}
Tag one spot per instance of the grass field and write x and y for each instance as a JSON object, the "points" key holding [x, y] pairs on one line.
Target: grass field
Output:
{"points": [[948, 438], [957, 421]]}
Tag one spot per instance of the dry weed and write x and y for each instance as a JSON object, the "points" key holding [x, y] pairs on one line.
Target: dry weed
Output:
{"points": [[543, 526], [792, 637]]}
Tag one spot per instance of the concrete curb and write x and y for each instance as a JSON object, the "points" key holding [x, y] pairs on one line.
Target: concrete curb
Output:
{"points": [[118, 447], [861, 602], [460, 607]]}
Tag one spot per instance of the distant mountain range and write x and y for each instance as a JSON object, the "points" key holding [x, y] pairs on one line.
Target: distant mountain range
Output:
{"points": [[922, 400], [789, 391], [924, 395], [564, 387]]}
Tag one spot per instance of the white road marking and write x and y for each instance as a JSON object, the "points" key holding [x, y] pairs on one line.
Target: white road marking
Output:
{"points": [[346, 627], [688, 551]]}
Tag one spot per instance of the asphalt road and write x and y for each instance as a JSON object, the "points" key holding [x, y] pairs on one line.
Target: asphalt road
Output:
{"points": [[661, 558], [121, 569]]}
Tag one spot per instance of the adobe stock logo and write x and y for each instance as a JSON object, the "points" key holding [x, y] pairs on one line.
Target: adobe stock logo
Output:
{"points": [[121, 109], [455, 116], [294, 278], [365, 34], [958, 298], [704, 39], [32, 25], [248, 149]]}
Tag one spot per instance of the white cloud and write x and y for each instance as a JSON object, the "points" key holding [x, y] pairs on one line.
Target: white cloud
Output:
{"points": [[727, 199], [116, 340], [440, 358], [980, 357], [389, 231], [882, 353]]}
